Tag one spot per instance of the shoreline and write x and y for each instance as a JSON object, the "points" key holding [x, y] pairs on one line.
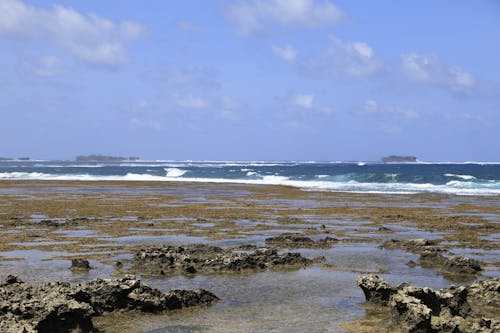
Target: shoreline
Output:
{"points": [[45, 223]]}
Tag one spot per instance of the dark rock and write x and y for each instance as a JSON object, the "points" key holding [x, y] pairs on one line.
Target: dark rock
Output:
{"points": [[77, 220], [416, 245], [299, 241], [456, 268], [11, 279], [246, 247], [211, 259], [453, 264], [411, 263], [486, 292], [410, 313], [80, 264], [376, 290], [129, 294], [420, 310], [44, 308], [60, 307], [462, 265], [51, 223]]}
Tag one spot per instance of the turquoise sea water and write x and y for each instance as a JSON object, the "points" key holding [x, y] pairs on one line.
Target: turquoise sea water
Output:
{"points": [[471, 178]]}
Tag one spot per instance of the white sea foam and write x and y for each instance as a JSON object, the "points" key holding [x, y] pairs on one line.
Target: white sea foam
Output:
{"points": [[251, 173], [361, 163], [174, 172], [322, 176], [68, 166], [452, 187], [464, 177], [274, 179]]}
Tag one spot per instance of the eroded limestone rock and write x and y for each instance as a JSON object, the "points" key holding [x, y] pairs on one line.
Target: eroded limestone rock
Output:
{"points": [[60, 307], [299, 241], [456, 268], [453, 309], [202, 258]]}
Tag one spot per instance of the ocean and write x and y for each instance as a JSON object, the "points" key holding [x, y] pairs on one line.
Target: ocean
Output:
{"points": [[469, 178]]}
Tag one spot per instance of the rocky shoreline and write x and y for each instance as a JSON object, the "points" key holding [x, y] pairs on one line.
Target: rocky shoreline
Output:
{"points": [[54, 307], [61, 307]]}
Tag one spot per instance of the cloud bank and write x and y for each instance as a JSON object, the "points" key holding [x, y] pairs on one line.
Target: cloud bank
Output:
{"points": [[252, 16], [339, 59], [429, 69], [95, 40]]}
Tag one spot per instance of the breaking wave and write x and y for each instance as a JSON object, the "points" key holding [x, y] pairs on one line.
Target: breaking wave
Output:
{"points": [[464, 177], [174, 172], [340, 184]]}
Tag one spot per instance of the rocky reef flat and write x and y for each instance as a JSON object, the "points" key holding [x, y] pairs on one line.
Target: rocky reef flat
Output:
{"points": [[167, 257]]}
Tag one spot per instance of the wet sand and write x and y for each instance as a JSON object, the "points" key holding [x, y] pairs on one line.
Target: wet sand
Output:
{"points": [[45, 224]]}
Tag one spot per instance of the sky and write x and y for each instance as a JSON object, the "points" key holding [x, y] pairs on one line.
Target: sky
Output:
{"points": [[250, 80]]}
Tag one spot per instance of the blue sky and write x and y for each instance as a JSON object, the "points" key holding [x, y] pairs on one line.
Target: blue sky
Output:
{"points": [[246, 80]]}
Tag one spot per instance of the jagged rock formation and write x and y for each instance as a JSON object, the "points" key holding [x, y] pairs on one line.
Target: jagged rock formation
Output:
{"points": [[211, 259], [56, 307], [431, 255], [299, 241], [424, 310]]}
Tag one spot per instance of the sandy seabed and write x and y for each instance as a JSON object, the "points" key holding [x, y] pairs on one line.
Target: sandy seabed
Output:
{"points": [[45, 224]]}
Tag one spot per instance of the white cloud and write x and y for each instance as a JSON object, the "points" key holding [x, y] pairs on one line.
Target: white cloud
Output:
{"points": [[303, 100], [190, 102], [251, 16], [48, 66], [343, 59], [305, 103], [95, 40], [372, 108], [287, 52], [429, 69]]}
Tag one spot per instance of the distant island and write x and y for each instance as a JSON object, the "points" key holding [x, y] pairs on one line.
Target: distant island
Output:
{"points": [[398, 159], [104, 158], [14, 159]]}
